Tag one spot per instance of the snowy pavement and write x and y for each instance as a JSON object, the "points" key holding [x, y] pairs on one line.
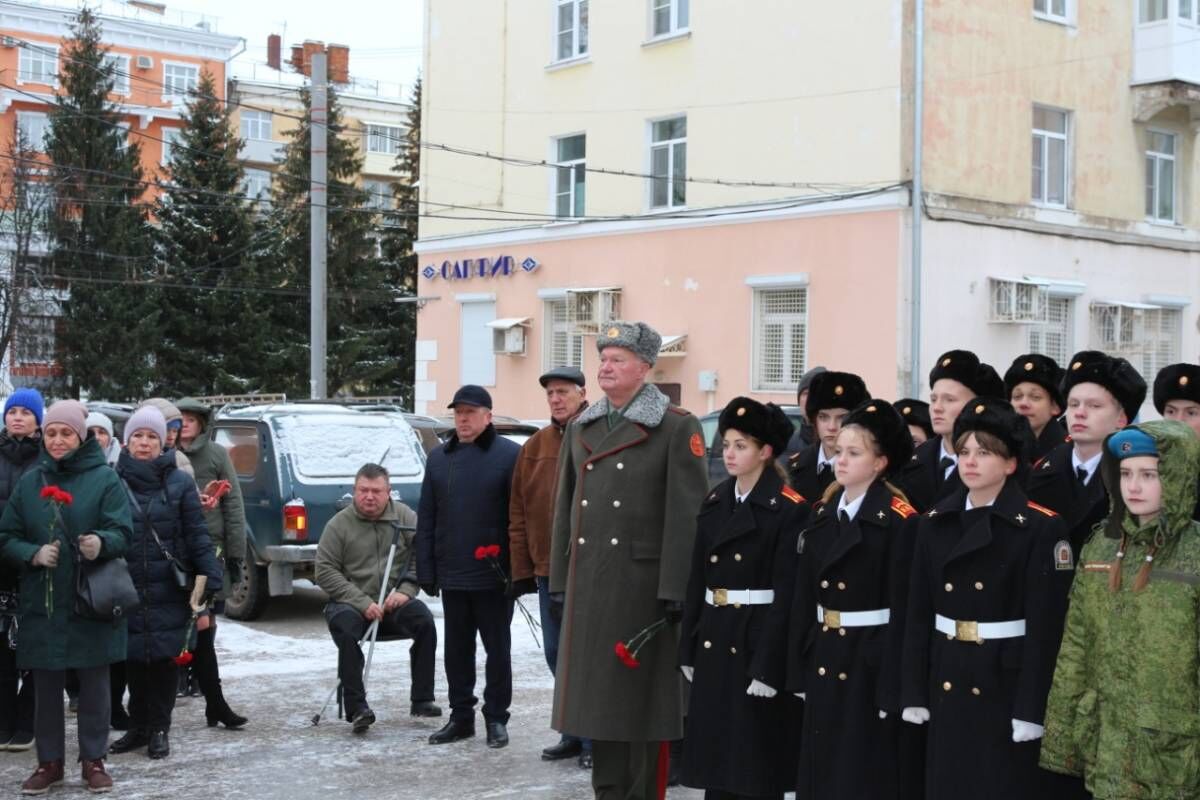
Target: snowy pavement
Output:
{"points": [[278, 670]]}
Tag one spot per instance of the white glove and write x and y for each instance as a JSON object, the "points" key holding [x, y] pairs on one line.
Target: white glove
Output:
{"points": [[1026, 731], [915, 714], [687, 672], [760, 689], [801, 696], [882, 714]]}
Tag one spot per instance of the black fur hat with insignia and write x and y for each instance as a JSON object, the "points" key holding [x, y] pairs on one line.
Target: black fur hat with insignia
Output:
{"points": [[765, 422], [966, 368], [916, 412], [1115, 374], [1176, 382], [1039, 369], [997, 417], [834, 390], [889, 428]]}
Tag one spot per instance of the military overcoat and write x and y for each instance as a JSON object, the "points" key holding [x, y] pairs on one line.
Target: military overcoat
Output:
{"points": [[804, 475], [1052, 483], [924, 479], [624, 525]]}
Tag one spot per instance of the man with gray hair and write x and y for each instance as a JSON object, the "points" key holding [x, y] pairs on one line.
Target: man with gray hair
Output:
{"points": [[632, 473]]}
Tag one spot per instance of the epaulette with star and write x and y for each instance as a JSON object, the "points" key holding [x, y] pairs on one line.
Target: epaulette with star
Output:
{"points": [[902, 508], [1042, 463], [1042, 509], [792, 494]]}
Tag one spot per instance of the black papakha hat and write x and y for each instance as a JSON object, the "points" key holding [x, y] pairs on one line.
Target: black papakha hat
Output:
{"points": [[1039, 369], [765, 422], [889, 428], [1176, 382], [966, 368], [915, 412], [834, 390], [1000, 419], [1113, 373]]}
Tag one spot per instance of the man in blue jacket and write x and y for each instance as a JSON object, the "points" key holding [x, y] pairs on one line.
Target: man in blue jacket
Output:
{"points": [[462, 552]]}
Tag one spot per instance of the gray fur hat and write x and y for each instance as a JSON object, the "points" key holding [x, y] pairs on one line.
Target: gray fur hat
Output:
{"points": [[637, 337]]}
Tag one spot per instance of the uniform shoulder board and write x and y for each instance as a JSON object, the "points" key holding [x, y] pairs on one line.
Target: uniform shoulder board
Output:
{"points": [[683, 412], [713, 496], [792, 494], [1042, 463], [902, 508], [1042, 509]]}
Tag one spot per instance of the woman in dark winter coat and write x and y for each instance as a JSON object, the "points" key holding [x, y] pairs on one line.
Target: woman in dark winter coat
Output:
{"points": [[740, 735], [168, 532], [985, 617], [847, 621], [20, 443]]}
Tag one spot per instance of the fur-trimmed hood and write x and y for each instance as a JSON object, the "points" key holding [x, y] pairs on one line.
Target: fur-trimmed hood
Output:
{"points": [[647, 408]]}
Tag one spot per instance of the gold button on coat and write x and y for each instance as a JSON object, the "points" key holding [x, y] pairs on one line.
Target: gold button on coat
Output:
{"points": [[581, 540], [591, 467], [841, 676], [620, 465], [616, 503], [583, 503], [949, 587], [824, 584], [979, 585], [713, 559], [614, 541], [737, 556], [975, 691], [733, 650], [820, 670], [707, 644], [946, 686], [841, 586]]}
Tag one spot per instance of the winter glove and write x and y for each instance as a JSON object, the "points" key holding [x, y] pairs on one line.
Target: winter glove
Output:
{"points": [[46, 556], [673, 611], [522, 587], [557, 601], [760, 689], [89, 546], [1026, 731], [688, 672], [915, 714], [803, 696], [430, 589], [233, 572]]}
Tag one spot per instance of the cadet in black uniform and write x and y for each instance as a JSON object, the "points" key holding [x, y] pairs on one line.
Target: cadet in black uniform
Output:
{"points": [[831, 395], [1103, 395], [848, 619], [916, 415], [986, 606], [1032, 385], [1177, 396], [740, 738], [956, 378], [804, 435]]}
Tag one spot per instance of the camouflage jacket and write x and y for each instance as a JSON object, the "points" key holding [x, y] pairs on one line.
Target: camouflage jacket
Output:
{"points": [[1124, 708]]}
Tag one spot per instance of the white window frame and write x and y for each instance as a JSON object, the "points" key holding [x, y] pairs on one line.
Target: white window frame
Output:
{"points": [[1192, 9], [383, 138], [555, 325], [126, 127], [1160, 159], [252, 177], [670, 144], [39, 119], [571, 166], [1044, 9], [1060, 321], [1144, 5], [1065, 138], [790, 370], [170, 136], [170, 92], [580, 45], [379, 194], [1154, 333], [40, 53], [254, 125], [121, 76], [673, 26]]}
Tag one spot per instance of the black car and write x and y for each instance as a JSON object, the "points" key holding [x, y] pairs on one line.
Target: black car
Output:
{"points": [[716, 464]]}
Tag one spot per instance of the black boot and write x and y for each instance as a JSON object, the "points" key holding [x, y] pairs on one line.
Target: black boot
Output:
{"points": [[135, 738], [160, 745], [218, 712], [453, 731]]}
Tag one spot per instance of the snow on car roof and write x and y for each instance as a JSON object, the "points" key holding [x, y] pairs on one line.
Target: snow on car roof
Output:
{"points": [[334, 444]]}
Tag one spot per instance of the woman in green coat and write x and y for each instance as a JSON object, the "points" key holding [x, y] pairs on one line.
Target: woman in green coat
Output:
{"points": [[1124, 709], [54, 638]]}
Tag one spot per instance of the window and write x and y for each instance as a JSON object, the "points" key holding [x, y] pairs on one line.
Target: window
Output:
{"points": [[383, 139], [33, 126], [1185, 10], [1160, 176], [256, 125], [1050, 156], [780, 338], [38, 198], [123, 136], [38, 63], [120, 73], [33, 341], [1152, 10], [668, 16], [1147, 335], [570, 176], [570, 29], [562, 346], [477, 361], [256, 185], [1053, 337], [379, 195], [668, 163], [170, 137], [242, 444], [180, 80], [1055, 9]]}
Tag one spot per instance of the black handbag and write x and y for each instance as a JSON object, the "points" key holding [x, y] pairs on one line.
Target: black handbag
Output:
{"points": [[181, 576]]}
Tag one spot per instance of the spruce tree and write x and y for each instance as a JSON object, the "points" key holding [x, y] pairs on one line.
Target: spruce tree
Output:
{"points": [[206, 259], [359, 299], [99, 235]]}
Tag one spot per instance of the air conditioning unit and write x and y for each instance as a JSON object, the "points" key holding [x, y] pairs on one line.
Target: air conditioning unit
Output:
{"points": [[1016, 301], [509, 341], [1125, 329], [145, 62], [589, 309]]}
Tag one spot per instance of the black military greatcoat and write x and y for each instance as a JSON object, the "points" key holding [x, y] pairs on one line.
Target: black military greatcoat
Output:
{"points": [[804, 475], [1052, 483], [923, 479]]}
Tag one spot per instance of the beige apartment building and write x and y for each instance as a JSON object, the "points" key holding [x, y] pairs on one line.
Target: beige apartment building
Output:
{"points": [[739, 175]]}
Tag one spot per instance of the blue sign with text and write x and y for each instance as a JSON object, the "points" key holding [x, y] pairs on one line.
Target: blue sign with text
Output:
{"points": [[483, 267]]}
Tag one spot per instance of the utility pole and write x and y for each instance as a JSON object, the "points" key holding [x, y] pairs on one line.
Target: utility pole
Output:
{"points": [[916, 385], [318, 209]]}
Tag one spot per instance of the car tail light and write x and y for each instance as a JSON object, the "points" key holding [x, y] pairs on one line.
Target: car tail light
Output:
{"points": [[295, 521]]}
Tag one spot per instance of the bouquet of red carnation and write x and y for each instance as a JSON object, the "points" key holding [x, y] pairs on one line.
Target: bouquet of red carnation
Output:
{"points": [[60, 498], [491, 553], [627, 651]]}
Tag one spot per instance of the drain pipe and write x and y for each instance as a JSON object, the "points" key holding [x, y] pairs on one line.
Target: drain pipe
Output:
{"points": [[918, 196]]}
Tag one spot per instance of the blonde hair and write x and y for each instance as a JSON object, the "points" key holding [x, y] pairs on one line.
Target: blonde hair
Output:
{"points": [[870, 441]]}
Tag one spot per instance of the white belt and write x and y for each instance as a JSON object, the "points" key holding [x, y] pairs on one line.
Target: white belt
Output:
{"points": [[853, 619], [739, 597], [978, 632]]}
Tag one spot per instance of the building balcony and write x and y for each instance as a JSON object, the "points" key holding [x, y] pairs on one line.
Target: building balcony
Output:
{"points": [[1166, 56], [262, 151]]}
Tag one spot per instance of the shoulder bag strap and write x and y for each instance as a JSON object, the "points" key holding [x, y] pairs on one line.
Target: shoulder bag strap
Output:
{"points": [[150, 525]]}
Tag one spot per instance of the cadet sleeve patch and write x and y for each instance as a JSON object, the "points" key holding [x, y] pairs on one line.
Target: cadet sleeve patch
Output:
{"points": [[792, 494], [1042, 509], [697, 445], [1064, 559], [902, 508]]}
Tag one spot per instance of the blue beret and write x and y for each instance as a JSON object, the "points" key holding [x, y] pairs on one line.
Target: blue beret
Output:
{"points": [[1131, 442]]}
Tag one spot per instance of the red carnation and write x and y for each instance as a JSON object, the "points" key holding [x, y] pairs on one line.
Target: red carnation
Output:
{"points": [[184, 658], [480, 553], [626, 657], [627, 651], [63, 496], [493, 551], [48, 492]]}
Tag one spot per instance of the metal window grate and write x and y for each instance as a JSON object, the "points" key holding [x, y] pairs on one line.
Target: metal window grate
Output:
{"points": [[1053, 337], [561, 347], [780, 338], [1147, 337]]}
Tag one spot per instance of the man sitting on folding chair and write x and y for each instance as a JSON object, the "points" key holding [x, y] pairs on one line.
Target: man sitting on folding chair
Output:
{"points": [[351, 558]]}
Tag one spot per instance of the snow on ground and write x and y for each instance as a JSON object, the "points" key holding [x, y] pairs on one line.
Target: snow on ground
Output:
{"points": [[278, 670]]}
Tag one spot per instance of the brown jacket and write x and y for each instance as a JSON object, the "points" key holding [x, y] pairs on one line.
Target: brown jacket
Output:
{"points": [[531, 507]]}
